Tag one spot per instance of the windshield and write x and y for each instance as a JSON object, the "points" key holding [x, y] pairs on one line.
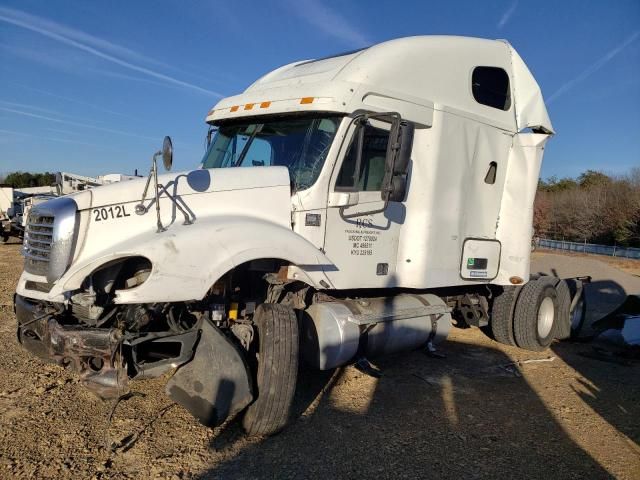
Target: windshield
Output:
{"points": [[299, 143]]}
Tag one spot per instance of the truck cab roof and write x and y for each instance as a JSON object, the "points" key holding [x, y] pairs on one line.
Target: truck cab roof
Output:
{"points": [[483, 79]]}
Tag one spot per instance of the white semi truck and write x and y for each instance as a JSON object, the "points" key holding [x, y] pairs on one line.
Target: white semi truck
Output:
{"points": [[346, 207]]}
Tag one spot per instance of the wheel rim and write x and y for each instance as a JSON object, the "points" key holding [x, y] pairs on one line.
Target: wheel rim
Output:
{"points": [[546, 314]]}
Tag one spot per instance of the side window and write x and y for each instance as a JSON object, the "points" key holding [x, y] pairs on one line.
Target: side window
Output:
{"points": [[490, 86], [374, 153]]}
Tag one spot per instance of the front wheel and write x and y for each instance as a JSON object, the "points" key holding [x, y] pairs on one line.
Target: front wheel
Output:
{"points": [[277, 369]]}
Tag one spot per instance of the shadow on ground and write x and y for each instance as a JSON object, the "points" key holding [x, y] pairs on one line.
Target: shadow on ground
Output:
{"points": [[462, 417], [467, 416]]}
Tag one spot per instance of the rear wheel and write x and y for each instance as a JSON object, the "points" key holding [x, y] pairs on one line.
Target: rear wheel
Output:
{"points": [[502, 315], [563, 322], [277, 369], [536, 314]]}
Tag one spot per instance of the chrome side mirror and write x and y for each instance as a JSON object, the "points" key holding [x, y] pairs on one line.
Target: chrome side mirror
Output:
{"points": [[167, 160], [167, 153], [394, 184]]}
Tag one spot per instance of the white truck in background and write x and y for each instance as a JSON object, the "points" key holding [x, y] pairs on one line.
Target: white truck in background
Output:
{"points": [[346, 207], [6, 211], [67, 183]]}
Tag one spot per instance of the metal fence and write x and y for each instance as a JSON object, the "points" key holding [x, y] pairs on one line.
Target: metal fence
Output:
{"points": [[612, 251]]}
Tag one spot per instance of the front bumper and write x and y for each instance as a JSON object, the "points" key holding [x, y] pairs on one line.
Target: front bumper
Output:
{"points": [[213, 380], [92, 352]]}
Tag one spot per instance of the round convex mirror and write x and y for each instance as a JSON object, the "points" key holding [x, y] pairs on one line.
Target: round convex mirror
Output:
{"points": [[167, 153]]}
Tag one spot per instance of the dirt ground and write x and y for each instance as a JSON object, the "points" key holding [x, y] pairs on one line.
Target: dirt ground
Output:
{"points": [[475, 414]]}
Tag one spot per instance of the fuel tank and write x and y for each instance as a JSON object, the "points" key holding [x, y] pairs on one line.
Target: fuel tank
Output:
{"points": [[338, 332]]}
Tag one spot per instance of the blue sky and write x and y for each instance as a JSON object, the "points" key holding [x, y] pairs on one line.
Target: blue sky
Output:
{"points": [[92, 87]]}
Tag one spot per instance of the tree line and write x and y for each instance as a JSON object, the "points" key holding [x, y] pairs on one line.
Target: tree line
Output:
{"points": [[594, 207], [27, 179]]}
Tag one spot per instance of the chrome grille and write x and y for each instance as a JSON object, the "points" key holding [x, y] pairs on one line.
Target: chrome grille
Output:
{"points": [[38, 239]]}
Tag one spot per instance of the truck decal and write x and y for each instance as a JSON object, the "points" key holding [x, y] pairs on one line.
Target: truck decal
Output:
{"points": [[362, 241], [109, 213]]}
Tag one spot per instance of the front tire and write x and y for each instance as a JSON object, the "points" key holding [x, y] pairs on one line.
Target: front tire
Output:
{"points": [[536, 314], [277, 369]]}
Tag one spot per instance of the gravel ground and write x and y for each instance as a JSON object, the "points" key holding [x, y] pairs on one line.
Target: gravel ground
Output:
{"points": [[471, 415]]}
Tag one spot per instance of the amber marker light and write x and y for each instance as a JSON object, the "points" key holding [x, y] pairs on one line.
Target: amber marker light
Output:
{"points": [[234, 108], [516, 280], [306, 100], [265, 104]]}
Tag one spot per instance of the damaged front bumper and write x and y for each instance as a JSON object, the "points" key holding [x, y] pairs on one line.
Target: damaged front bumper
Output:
{"points": [[104, 358], [212, 380], [92, 352]]}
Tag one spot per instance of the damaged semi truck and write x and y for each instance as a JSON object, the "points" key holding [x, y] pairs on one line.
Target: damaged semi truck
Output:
{"points": [[346, 207]]}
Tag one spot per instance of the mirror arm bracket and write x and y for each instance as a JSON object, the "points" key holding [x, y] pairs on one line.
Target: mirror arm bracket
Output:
{"points": [[347, 216], [167, 158], [187, 220], [161, 228], [153, 174]]}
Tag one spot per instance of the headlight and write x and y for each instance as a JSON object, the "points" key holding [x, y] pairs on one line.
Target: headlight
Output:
{"points": [[49, 238]]}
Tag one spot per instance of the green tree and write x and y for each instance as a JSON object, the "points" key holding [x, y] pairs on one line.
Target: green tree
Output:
{"points": [[593, 178], [27, 179]]}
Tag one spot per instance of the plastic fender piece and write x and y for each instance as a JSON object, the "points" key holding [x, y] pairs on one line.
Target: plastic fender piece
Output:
{"points": [[214, 385]]}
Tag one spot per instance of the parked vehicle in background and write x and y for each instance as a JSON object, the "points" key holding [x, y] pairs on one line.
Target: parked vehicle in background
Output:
{"points": [[16, 203], [346, 207], [67, 182], [6, 210]]}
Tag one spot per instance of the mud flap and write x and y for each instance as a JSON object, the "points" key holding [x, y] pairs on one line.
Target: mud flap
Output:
{"points": [[215, 385]]}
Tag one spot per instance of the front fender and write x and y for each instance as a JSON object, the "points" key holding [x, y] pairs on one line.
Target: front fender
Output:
{"points": [[189, 259]]}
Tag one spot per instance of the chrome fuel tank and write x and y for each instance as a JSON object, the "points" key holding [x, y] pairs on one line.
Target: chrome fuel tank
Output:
{"points": [[335, 333]]}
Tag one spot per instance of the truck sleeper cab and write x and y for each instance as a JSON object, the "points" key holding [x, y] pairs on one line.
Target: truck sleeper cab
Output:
{"points": [[346, 207]]}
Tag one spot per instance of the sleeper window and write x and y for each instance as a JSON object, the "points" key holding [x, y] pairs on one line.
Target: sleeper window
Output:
{"points": [[374, 152], [490, 86]]}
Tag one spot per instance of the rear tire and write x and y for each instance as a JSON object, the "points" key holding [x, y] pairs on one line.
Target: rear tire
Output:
{"points": [[563, 321], [502, 316], [277, 369], [536, 314]]}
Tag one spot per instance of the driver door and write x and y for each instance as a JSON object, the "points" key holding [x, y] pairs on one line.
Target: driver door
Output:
{"points": [[361, 236]]}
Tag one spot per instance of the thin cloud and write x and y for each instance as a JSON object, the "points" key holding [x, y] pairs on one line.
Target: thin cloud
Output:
{"points": [[49, 139], [32, 107], [69, 122], [80, 36], [506, 16], [89, 44], [126, 76], [329, 22], [60, 130], [73, 100], [593, 68]]}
